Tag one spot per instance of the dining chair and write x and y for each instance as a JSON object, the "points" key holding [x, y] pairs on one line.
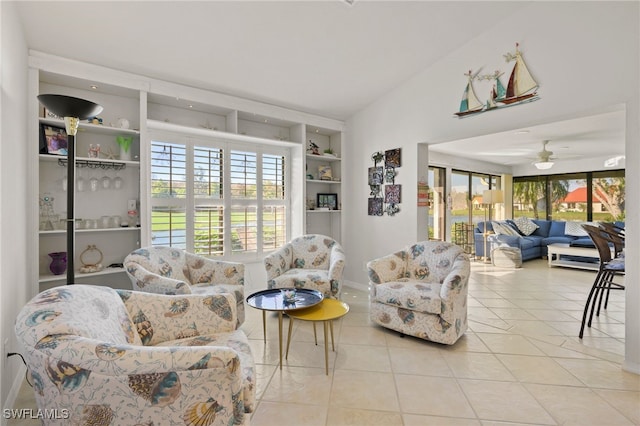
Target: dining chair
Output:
{"points": [[610, 267]]}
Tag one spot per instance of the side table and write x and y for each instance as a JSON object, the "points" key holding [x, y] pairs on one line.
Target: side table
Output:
{"points": [[272, 300], [326, 311]]}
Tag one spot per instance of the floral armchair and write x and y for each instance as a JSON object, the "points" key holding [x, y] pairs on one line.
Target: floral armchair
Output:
{"points": [[311, 261], [104, 356], [167, 270], [421, 291]]}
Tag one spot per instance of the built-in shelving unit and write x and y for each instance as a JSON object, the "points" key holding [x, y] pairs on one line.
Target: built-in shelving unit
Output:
{"points": [[318, 181], [151, 105], [105, 184]]}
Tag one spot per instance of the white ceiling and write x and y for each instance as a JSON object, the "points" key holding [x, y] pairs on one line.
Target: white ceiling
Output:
{"points": [[595, 136], [324, 57]]}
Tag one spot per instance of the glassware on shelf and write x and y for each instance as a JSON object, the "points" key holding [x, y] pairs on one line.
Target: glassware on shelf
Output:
{"points": [[117, 182], [48, 217], [105, 182], [94, 184]]}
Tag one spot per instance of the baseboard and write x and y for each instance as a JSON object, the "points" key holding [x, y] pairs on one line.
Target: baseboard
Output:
{"points": [[15, 390], [631, 367], [356, 285]]}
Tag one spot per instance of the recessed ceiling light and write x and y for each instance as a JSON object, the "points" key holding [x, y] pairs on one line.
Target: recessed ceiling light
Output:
{"points": [[190, 106], [94, 87], [522, 132]]}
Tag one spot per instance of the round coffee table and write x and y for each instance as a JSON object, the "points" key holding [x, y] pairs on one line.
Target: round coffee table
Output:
{"points": [[326, 311], [272, 300]]}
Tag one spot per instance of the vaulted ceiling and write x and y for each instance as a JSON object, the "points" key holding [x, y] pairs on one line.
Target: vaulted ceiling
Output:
{"points": [[330, 58]]}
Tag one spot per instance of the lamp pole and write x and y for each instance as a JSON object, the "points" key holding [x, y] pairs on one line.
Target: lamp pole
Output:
{"points": [[73, 110]]}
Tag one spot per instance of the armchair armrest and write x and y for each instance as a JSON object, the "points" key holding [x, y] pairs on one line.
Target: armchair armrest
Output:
{"points": [[279, 261], [131, 359], [160, 318], [388, 268], [336, 263], [205, 270], [453, 292], [144, 280]]}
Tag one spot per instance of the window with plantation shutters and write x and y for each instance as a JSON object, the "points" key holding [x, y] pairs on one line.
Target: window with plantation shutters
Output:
{"points": [[218, 198]]}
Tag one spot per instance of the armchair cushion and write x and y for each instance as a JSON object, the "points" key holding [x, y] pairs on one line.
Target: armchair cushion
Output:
{"points": [[83, 357]]}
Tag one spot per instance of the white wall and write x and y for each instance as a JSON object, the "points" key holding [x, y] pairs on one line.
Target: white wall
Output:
{"points": [[13, 186], [584, 55]]}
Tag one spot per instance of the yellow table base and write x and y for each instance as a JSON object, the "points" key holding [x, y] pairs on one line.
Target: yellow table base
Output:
{"points": [[326, 311]]}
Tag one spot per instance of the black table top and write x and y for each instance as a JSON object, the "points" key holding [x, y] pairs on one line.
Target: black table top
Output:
{"points": [[271, 300]]}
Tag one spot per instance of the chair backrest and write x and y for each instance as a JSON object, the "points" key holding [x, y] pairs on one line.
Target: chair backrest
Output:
{"points": [[616, 234], [312, 251], [598, 236], [431, 260], [94, 312], [162, 260]]}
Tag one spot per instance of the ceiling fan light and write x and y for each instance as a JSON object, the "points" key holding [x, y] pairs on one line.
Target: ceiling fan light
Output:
{"points": [[543, 165]]}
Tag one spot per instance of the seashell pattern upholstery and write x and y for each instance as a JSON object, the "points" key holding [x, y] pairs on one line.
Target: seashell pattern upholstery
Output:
{"points": [[120, 357], [168, 270], [421, 291], [311, 261]]}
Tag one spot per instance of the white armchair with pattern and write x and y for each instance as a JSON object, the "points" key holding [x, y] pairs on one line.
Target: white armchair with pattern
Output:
{"points": [[310, 261], [120, 357], [168, 270], [421, 291]]}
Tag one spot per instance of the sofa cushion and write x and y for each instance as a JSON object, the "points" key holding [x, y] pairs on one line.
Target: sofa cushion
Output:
{"points": [[582, 242], [561, 239], [525, 225], [527, 242], [543, 227], [413, 295], [557, 228], [481, 227]]}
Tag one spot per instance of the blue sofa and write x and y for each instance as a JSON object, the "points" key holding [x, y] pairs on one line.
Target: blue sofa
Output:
{"points": [[533, 246]]}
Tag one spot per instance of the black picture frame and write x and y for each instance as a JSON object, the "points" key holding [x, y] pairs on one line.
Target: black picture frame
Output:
{"points": [[327, 200], [53, 140]]}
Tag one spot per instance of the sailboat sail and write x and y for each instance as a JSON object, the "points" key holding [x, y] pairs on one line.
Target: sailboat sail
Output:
{"points": [[521, 84], [500, 89], [470, 102]]}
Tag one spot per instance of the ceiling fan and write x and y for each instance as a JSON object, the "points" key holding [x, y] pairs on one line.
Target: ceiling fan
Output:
{"points": [[544, 158]]}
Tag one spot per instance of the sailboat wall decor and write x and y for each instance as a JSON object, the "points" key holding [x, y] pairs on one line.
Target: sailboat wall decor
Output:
{"points": [[521, 88]]}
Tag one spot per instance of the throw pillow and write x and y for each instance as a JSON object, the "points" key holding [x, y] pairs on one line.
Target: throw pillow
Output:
{"points": [[504, 228], [575, 228], [526, 225]]}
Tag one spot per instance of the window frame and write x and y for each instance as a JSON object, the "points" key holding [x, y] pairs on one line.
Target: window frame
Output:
{"points": [[191, 202]]}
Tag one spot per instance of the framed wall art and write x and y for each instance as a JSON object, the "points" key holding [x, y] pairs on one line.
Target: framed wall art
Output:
{"points": [[376, 175], [375, 207], [392, 158]]}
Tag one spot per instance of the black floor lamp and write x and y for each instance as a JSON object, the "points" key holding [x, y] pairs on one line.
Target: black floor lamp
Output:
{"points": [[73, 110]]}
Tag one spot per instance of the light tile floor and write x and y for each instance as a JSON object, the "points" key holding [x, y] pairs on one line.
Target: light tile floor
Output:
{"points": [[520, 362]]}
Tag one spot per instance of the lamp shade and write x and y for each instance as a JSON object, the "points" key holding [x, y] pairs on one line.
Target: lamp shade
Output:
{"points": [[492, 196], [68, 106]]}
